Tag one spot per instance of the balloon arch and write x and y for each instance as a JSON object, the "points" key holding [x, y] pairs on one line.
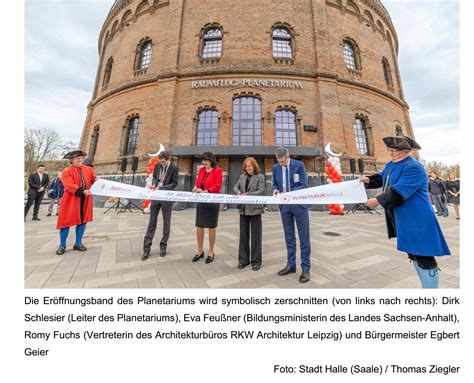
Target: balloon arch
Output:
{"points": [[334, 175], [149, 179]]}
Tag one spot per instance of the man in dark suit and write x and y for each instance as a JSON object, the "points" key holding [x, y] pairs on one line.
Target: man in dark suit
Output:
{"points": [[38, 183], [165, 177], [290, 175]]}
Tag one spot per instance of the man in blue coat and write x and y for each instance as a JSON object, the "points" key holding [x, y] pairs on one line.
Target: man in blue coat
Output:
{"points": [[408, 212], [290, 175]]}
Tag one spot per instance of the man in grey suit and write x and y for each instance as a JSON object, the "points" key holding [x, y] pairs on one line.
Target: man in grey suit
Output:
{"points": [[165, 177]]}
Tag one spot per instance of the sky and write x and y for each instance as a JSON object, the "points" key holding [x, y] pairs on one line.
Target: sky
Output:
{"points": [[61, 60]]}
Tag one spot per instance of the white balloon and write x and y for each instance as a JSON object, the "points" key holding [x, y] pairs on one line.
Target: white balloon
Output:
{"points": [[331, 160], [329, 180], [329, 151], [337, 160], [162, 149]]}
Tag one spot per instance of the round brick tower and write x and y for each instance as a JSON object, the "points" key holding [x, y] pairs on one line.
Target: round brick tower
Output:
{"points": [[242, 78]]}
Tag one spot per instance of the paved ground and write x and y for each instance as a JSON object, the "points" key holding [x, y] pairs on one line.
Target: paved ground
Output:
{"points": [[361, 257]]}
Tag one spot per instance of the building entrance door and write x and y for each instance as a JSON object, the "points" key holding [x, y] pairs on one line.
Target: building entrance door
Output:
{"points": [[235, 170]]}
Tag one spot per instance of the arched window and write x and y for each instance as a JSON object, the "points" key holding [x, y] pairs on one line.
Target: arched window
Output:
{"points": [[398, 130], [115, 25], [94, 141], [142, 6], [360, 132], [387, 72], [369, 19], [144, 58], [133, 129], [351, 7], [247, 121], [380, 26], [108, 71], [206, 130], [106, 41], [212, 43], [127, 18], [281, 43], [285, 126], [350, 56]]}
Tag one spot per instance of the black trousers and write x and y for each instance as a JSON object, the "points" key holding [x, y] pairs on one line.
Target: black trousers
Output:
{"points": [[150, 231], [250, 234], [36, 199]]}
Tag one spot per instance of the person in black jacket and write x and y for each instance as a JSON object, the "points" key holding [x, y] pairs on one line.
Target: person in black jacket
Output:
{"points": [[38, 183], [437, 190], [55, 194], [165, 177]]}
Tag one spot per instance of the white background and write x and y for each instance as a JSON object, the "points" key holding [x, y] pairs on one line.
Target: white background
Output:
{"points": [[229, 361]]}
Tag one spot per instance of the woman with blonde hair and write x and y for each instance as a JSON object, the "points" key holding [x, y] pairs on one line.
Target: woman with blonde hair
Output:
{"points": [[251, 182], [453, 187]]}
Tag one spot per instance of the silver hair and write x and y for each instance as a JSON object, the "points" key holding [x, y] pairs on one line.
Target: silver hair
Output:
{"points": [[282, 153]]}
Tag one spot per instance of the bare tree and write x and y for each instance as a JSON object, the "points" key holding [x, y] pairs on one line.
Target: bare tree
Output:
{"points": [[443, 170], [456, 169], [66, 147], [41, 145], [436, 167]]}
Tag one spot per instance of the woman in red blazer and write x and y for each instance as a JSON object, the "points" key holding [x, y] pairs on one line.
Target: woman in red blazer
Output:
{"points": [[209, 180]]}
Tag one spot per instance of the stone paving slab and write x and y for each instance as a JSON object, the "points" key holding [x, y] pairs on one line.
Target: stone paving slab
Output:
{"points": [[361, 256]]}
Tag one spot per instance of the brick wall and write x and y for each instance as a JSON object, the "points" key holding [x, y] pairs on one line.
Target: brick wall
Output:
{"points": [[162, 96]]}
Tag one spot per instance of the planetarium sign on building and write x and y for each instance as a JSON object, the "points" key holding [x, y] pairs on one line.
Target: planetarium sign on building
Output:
{"points": [[246, 82], [300, 74]]}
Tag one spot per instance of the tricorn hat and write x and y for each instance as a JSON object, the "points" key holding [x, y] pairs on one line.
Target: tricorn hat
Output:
{"points": [[401, 143], [75, 153]]}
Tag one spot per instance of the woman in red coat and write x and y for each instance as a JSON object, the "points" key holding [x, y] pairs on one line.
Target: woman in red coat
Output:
{"points": [[209, 180], [76, 205]]}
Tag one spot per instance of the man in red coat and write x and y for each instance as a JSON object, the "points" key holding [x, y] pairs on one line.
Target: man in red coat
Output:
{"points": [[76, 205]]}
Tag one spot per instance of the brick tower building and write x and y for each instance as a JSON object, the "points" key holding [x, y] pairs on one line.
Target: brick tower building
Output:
{"points": [[242, 78]]}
